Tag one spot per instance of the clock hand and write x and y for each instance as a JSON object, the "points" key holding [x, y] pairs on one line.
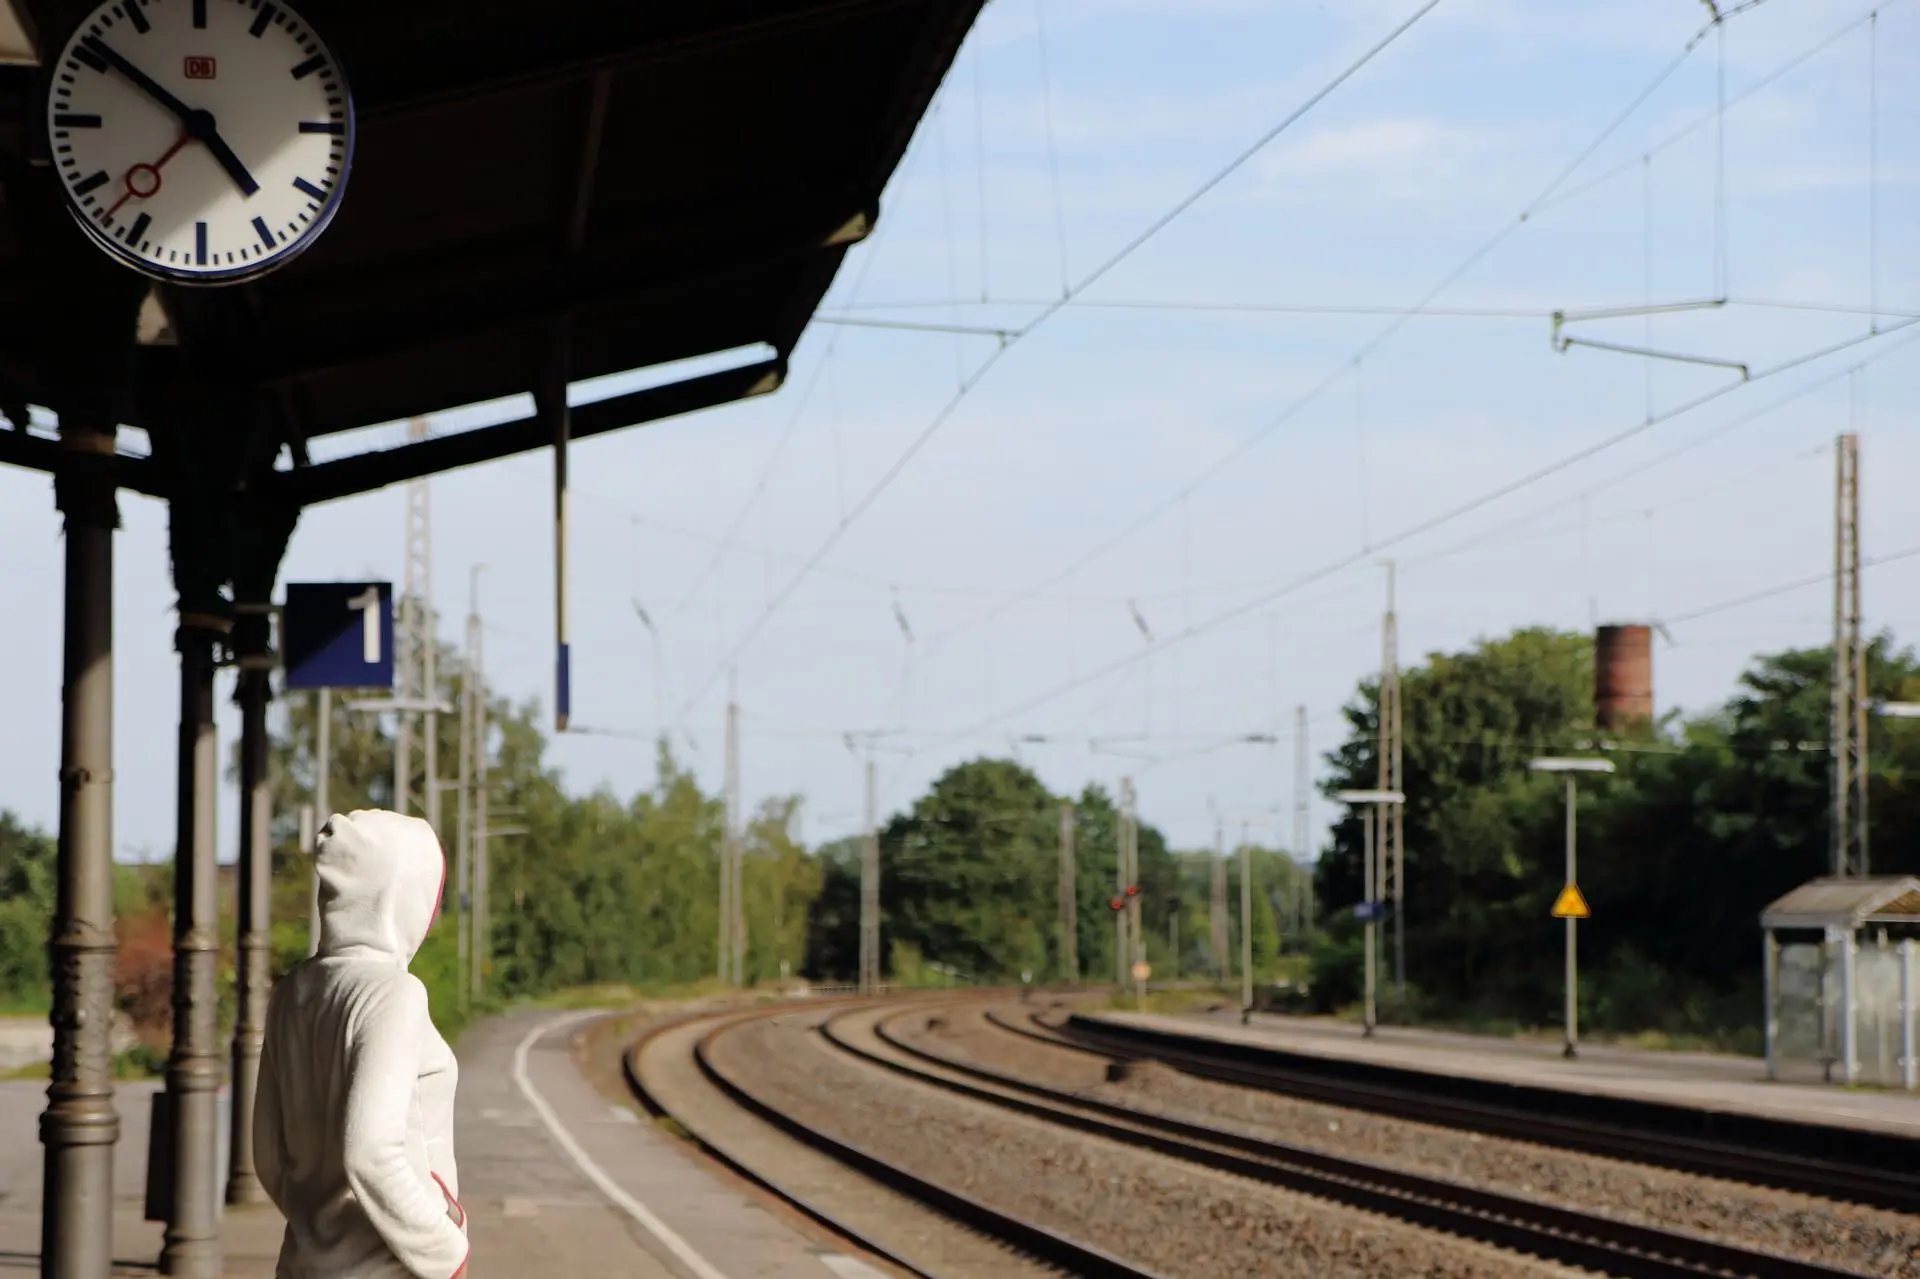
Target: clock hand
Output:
{"points": [[133, 191], [198, 124], [151, 87]]}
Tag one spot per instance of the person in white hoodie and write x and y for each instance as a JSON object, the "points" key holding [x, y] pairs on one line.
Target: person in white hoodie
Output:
{"points": [[353, 1119]]}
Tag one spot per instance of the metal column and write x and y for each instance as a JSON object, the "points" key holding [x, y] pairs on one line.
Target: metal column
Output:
{"points": [[1217, 906], [1573, 963], [80, 1125], [1246, 925], [1369, 856], [870, 891], [254, 898], [192, 1239], [1909, 1068], [1770, 966], [1069, 899], [322, 814]]}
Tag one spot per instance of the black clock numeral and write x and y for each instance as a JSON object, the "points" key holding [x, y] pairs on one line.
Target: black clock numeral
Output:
{"points": [[138, 231], [68, 120], [92, 59], [309, 189], [310, 66], [91, 183], [265, 232], [137, 18], [200, 244], [199, 15], [262, 21], [323, 126]]}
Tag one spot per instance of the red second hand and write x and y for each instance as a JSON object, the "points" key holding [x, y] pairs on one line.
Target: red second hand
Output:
{"points": [[132, 191]]}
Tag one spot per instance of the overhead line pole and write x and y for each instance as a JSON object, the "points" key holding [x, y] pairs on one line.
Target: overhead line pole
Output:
{"points": [[1302, 826], [1069, 901]]}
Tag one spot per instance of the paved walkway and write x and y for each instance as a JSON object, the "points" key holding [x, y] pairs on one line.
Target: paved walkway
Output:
{"points": [[1704, 1081], [559, 1179]]}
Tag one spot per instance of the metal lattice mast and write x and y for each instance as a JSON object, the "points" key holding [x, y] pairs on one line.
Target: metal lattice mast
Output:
{"points": [[413, 643], [1302, 826], [1389, 874], [1069, 902], [1219, 939], [870, 890], [1849, 730], [732, 849]]}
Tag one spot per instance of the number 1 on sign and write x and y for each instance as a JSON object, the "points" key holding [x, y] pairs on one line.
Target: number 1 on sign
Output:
{"points": [[368, 602]]}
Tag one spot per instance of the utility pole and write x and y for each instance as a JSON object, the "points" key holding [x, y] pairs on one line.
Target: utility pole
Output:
{"points": [[1136, 931], [870, 890], [1222, 963], [1392, 881], [322, 809], [1069, 903], [1302, 827], [470, 697], [734, 928], [413, 647], [481, 958], [1246, 926], [1849, 730], [1120, 881]]}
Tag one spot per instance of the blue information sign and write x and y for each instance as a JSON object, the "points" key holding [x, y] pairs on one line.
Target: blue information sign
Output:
{"points": [[1365, 911], [338, 635]]}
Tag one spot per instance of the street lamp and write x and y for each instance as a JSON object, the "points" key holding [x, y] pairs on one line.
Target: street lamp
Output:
{"points": [[1570, 906], [1369, 910]]}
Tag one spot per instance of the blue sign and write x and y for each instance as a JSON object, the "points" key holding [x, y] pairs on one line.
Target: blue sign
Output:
{"points": [[338, 635], [1365, 911]]}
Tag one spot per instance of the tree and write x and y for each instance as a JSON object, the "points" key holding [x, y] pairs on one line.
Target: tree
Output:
{"points": [[1480, 852], [968, 875]]}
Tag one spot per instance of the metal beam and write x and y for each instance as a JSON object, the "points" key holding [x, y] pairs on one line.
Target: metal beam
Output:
{"points": [[35, 453], [377, 469], [495, 66], [588, 170], [443, 305]]}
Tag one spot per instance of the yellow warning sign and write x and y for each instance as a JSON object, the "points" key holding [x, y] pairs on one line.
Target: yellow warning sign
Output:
{"points": [[1570, 904]]}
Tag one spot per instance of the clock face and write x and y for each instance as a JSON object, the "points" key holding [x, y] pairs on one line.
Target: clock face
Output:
{"points": [[201, 141]]}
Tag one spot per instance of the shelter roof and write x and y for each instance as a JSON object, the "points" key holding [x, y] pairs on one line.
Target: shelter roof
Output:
{"points": [[1851, 903], [656, 182]]}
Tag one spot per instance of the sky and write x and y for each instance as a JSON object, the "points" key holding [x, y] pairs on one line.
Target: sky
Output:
{"points": [[1174, 442]]}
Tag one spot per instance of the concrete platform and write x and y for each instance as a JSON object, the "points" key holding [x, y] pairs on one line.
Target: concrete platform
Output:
{"points": [[1703, 1081], [557, 1178]]}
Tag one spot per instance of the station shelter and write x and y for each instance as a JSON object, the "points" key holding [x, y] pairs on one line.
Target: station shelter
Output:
{"points": [[1842, 978]]}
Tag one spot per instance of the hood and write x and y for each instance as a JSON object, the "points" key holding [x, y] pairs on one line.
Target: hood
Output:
{"points": [[381, 876]]}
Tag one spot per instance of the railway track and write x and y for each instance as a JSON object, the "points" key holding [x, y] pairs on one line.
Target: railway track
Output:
{"points": [[1044, 1245], [1753, 1151], [1525, 1226]]}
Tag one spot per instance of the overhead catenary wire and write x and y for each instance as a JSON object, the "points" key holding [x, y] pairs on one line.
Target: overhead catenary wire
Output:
{"points": [[1785, 588], [1662, 458], [1302, 402], [1414, 530], [946, 411]]}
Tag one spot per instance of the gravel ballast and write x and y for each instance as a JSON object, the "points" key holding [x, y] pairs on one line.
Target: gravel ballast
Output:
{"points": [[1182, 1221], [1870, 1240]]}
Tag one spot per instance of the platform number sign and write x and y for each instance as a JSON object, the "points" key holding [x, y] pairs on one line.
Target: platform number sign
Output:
{"points": [[338, 635]]}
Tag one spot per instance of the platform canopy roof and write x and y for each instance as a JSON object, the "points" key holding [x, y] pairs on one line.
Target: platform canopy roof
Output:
{"points": [[641, 182], [1850, 904]]}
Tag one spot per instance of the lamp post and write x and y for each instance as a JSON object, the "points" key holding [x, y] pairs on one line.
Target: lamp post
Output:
{"points": [[1572, 768], [1372, 875]]}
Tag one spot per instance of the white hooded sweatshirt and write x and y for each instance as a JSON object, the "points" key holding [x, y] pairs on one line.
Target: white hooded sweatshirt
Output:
{"points": [[353, 1122]]}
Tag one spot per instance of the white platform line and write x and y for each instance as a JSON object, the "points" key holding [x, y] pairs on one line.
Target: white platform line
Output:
{"points": [[848, 1267], [680, 1248]]}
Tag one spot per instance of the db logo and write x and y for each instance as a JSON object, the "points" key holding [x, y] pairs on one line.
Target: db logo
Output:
{"points": [[200, 68]]}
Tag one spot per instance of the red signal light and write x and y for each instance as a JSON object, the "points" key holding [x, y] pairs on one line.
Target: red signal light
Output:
{"points": [[1133, 890], [1118, 904]]}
